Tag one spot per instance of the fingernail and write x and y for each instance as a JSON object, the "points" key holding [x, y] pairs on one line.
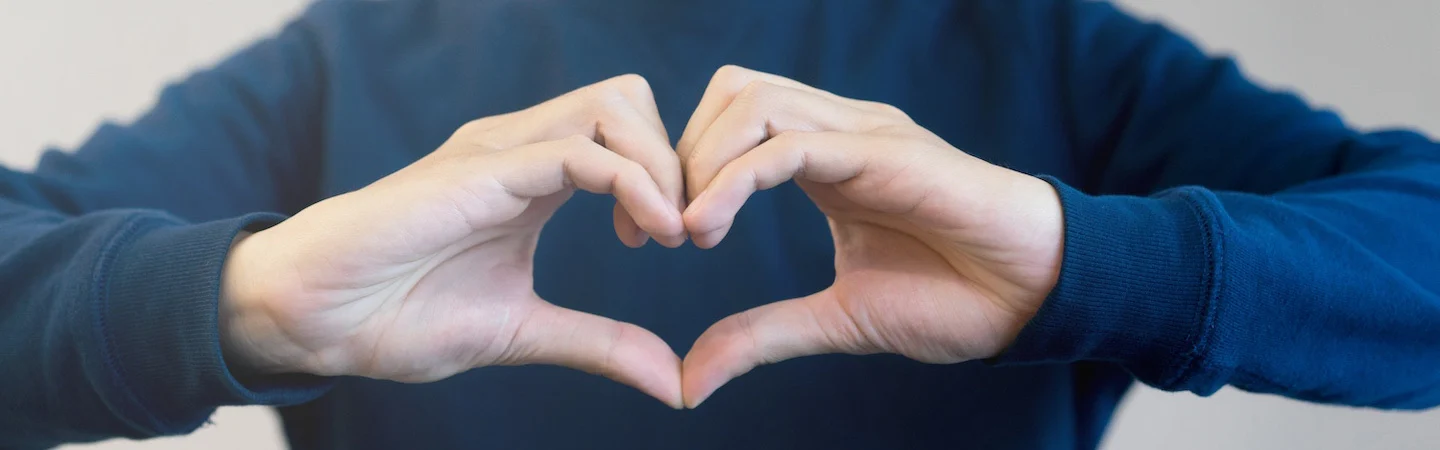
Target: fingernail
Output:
{"points": [[642, 237]]}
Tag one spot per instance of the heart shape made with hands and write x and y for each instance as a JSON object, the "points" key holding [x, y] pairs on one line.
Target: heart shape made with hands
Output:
{"points": [[428, 272], [940, 256]]}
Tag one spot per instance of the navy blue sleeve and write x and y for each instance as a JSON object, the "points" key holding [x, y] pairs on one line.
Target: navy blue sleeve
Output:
{"points": [[110, 257], [1226, 234], [242, 136]]}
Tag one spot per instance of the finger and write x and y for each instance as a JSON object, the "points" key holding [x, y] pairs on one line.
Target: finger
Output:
{"points": [[760, 111], [547, 168], [626, 229], [617, 350], [768, 334], [823, 156], [632, 128], [620, 113], [575, 112], [644, 102], [724, 86], [727, 82]]}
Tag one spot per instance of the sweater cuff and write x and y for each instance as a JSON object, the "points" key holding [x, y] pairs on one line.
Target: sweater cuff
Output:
{"points": [[159, 318], [1136, 285]]}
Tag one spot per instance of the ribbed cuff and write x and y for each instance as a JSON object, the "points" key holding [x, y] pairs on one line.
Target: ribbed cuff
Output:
{"points": [[1136, 285], [159, 317]]}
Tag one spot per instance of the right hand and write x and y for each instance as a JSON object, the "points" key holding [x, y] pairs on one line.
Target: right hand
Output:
{"points": [[428, 272]]}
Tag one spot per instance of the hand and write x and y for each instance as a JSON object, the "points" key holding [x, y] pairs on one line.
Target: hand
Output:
{"points": [[427, 272], [939, 256]]}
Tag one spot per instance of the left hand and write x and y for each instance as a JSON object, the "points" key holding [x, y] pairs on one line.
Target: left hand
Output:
{"points": [[939, 256]]}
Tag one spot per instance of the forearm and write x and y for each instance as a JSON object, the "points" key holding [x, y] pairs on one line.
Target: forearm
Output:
{"points": [[110, 326], [238, 137], [1254, 240], [1323, 292]]}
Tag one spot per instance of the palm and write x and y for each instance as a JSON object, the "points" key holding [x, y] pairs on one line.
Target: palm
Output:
{"points": [[463, 311], [911, 277], [424, 308], [903, 290]]}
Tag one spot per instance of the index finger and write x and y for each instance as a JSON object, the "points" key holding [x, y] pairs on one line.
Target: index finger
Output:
{"points": [[743, 107], [823, 157], [547, 168], [620, 114], [727, 82]]}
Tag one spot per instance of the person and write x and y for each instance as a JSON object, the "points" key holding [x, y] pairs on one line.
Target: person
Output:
{"points": [[1045, 200]]}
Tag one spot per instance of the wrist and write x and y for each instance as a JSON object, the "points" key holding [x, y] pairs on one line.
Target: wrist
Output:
{"points": [[1030, 218], [1046, 213], [244, 319], [1135, 285]]}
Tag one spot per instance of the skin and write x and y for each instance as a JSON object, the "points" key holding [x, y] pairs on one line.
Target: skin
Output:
{"points": [[426, 273], [939, 256]]}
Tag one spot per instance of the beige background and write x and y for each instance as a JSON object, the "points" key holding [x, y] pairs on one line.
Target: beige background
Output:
{"points": [[67, 64]]}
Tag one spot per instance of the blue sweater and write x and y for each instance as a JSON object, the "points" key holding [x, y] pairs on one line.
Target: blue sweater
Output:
{"points": [[1217, 233]]}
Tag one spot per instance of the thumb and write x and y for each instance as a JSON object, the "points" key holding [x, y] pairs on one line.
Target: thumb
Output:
{"points": [[812, 325], [617, 350]]}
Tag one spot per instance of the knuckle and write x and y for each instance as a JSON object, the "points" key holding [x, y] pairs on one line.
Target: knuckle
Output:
{"points": [[755, 100], [603, 99], [631, 85], [730, 78], [889, 110], [632, 169], [754, 91], [473, 126], [730, 72], [692, 165], [617, 92], [475, 129]]}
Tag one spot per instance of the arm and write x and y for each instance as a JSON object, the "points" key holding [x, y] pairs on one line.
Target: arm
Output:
{"points": [[1227, 234], [129, 321], [242, 136], [110, 257]]}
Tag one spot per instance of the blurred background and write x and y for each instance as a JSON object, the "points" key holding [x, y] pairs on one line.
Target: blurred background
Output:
{"points": [[65, 65]]}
